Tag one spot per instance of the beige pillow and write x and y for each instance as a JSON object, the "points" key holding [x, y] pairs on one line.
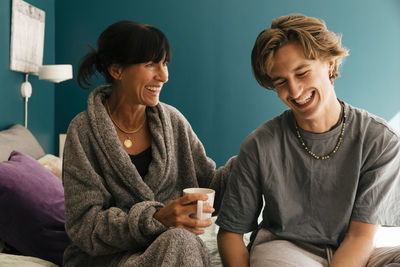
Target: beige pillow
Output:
{"points": [[18, 138], [53, 164]]}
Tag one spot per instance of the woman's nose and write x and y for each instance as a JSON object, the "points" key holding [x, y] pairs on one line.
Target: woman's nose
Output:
{"points": [[162, 74]]}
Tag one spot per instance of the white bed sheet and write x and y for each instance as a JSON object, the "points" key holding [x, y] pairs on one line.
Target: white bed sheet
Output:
{"points": [[9, 260]]}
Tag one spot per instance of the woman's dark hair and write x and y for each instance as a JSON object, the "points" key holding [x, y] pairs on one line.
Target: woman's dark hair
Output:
{"points": [[123, 43]]}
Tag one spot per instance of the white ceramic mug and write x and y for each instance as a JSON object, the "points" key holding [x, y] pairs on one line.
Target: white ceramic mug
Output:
{"points": [[210, 201]]}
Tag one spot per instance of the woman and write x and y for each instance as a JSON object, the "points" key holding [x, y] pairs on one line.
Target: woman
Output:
{"points": [[127, 159]]}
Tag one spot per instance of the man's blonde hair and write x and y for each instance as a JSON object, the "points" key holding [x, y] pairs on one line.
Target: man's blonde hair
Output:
{"points": [[312, 35]]}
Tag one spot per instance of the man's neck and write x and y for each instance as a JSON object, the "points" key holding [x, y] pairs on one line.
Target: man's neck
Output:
{"points": [[326, 120]]}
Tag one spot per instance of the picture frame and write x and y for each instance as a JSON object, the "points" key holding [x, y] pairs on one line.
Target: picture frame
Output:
{"points": [[27, 37]]}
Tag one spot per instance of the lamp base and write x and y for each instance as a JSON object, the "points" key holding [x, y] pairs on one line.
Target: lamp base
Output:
{"points": [[26, 89]]}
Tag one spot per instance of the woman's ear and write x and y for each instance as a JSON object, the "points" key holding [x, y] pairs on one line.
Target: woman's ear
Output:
{"points": [[115, 71]]}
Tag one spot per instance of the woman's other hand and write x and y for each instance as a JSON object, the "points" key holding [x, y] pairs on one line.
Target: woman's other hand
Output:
{"points": [[178, 213]]}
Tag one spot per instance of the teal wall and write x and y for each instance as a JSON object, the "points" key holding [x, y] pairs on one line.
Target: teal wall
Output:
{"points": [[41, 104], [210, 76]]}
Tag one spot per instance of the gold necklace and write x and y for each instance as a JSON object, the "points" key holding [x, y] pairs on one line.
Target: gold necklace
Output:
{"points": [[338, 143], [127, 142]]}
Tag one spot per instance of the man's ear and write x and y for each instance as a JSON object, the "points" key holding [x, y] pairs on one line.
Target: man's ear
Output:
{"points": [[331, 63], [115, 71]]}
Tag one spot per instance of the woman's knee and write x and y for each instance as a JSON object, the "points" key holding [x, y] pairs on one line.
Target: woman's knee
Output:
{"points": [[181, 237], [178, 247]]}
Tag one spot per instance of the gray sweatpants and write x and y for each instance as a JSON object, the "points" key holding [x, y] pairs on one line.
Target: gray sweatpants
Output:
{"points": [[268, 251]]}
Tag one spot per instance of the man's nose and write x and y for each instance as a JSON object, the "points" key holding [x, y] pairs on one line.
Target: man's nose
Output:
{"points": [[295, 88]]}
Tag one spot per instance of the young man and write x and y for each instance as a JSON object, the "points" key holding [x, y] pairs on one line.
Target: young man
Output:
{"points": [[329, 173]]}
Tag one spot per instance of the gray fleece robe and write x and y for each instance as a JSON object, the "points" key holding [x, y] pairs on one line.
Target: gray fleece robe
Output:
{"points": [[109, 206]]}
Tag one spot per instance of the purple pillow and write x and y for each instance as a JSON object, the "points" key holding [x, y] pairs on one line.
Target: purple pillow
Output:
{"points": [[32, 213]]}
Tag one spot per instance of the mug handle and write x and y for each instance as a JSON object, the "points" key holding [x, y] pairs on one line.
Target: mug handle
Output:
{"points": [[200, 209]]}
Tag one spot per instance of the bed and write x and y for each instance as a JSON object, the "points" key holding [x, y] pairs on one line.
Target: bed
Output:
{"points": [[30, 185], [28, 235], [31, 202]]}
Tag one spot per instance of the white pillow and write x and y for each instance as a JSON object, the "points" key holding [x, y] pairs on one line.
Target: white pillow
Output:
{"points": [[387, 237]]}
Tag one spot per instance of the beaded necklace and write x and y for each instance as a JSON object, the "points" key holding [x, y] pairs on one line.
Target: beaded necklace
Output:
{"points": [[338, 143]]}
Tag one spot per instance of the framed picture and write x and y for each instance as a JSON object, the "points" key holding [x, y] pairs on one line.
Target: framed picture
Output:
{"points": [[27, 37]]}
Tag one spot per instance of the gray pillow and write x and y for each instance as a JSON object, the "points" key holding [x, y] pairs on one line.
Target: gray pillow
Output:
{"points": [[18, 138]]}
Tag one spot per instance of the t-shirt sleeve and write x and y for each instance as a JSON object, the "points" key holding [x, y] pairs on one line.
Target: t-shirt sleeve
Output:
{"points": [[378, 193], [242, 201]]}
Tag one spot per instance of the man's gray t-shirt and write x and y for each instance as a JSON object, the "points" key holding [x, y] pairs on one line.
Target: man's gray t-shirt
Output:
{"points": [[312, 200]]}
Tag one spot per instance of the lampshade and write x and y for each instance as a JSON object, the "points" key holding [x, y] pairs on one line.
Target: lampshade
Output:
{"points": [[55, 73]]}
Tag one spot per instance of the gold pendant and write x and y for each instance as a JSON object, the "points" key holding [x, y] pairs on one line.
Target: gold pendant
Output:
{"points": [[128, 143]]}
